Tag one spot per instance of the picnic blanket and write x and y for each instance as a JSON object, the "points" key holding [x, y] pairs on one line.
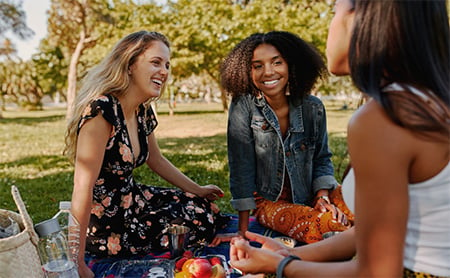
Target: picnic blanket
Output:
{"points": [[109, 268]]}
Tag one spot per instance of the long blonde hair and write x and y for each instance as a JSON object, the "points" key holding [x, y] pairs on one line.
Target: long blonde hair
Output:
{"points": [[110, 76]]}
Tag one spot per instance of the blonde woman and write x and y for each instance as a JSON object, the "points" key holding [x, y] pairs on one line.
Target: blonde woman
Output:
{"points": [[110, 134]]}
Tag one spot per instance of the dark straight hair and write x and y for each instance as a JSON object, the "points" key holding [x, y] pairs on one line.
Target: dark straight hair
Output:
{"points": [[405, 42]]}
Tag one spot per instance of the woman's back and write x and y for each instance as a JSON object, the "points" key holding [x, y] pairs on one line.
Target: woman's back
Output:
{"points": [[391, 164]]}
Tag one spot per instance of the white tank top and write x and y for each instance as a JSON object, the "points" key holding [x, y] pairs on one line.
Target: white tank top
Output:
{"points": [[427, 243]]}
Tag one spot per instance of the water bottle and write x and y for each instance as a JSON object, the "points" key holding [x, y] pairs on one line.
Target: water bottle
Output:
{"points": [[53, 251], [70, 228]]}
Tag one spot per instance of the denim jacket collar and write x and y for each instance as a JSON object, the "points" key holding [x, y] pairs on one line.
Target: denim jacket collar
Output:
{"points": [[295, 114]]}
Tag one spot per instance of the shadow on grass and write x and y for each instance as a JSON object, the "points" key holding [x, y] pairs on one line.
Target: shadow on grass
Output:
{"points": [[40, 192], [194, 112], [42, 162], [31, 120], [203, 159], [41, 195]]}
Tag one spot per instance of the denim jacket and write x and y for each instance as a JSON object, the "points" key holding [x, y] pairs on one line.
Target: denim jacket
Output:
{"points": [[258, 157]]}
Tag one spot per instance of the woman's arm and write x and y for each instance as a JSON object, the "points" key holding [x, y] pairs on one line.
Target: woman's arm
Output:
{"points": [[244, 216], [91, 144], [242, 228], [164, 168], [340, 247], [259, 260], [381, 154], [241, 159], [323, 172]]}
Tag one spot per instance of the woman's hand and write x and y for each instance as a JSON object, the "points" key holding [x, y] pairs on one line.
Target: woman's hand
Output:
{"points": [[211, 192], [223, 238], [249, 259], [268, 243], [84, 271], [323, 204]]}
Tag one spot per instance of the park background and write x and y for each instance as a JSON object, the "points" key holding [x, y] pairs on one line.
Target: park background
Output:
{"points": [[192, 113]]}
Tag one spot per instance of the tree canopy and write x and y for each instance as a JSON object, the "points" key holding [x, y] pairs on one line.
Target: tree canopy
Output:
{"points": [[202, 32]]}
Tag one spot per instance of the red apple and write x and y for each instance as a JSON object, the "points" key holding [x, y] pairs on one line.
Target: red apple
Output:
{"points": [[200, 268], [188, 254], [215, 260], [186, 265], [179, 263]]}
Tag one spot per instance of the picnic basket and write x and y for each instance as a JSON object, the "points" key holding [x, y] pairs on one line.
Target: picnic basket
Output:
{"points": [[18, 254]]}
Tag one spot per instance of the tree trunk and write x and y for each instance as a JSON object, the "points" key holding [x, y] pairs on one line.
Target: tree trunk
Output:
{"points": [[223, 97], [2, 105], [223, 94], [72, 76]]}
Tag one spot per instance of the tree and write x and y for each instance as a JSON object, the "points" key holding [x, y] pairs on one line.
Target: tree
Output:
{"points": [[52, 69], [203, 32], [74, 26], [12, 18], [7, 48], [21, 84], [197, 29]]}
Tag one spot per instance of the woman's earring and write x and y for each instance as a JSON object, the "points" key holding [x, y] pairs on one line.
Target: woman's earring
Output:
{"points": [[287, 92]]}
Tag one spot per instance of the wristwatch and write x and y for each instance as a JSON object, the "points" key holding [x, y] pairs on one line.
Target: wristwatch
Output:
{"points": [[284, 263]]}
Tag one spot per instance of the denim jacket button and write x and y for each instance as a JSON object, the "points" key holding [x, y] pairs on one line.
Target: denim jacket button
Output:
{"points": [[288, 153], [303, 147]]}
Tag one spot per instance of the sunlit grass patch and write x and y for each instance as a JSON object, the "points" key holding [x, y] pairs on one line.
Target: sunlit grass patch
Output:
{"points": [[32, 144]]}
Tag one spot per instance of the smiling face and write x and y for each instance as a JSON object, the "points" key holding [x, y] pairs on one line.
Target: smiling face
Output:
{"points": [[339, 35], [270, 71], [151, 70]]}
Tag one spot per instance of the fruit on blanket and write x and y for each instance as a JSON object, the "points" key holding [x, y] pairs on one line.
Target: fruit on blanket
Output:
{"points": [[188, 254], [179, 264], [215, 260], [200, 268], [186, 265], [183, 274], [217, 271]]}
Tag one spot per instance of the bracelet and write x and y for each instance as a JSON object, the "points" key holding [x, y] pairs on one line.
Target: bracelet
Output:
{"points": [[242, 234], [284, 263], [326, 198]]}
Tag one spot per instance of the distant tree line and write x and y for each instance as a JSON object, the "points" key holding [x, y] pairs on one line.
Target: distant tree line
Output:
{"points": [[202, 32]]}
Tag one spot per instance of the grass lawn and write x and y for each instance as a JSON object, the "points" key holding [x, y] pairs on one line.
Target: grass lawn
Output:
{"points": [[194, 139]]}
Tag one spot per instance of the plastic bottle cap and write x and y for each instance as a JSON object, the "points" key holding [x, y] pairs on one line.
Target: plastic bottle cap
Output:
{"points": [[47, 227], [64, 205]]}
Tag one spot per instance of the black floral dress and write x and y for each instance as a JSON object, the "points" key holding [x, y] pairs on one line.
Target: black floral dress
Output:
{"points": [[128, 218]]}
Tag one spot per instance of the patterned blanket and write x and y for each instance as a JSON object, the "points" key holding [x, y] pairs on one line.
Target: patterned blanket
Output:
{"points": [[109, 268]]}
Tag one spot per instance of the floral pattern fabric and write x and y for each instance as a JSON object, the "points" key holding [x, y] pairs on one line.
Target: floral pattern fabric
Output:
{"points": [[129, 218]]}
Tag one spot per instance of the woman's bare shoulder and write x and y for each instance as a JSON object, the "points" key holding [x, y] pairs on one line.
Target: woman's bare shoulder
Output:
{"points": [[370, 117], [372, 133]]}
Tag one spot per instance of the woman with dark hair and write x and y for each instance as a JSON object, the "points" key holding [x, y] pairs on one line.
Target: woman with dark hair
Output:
{"points": [[397, 53], [279, 159]]}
